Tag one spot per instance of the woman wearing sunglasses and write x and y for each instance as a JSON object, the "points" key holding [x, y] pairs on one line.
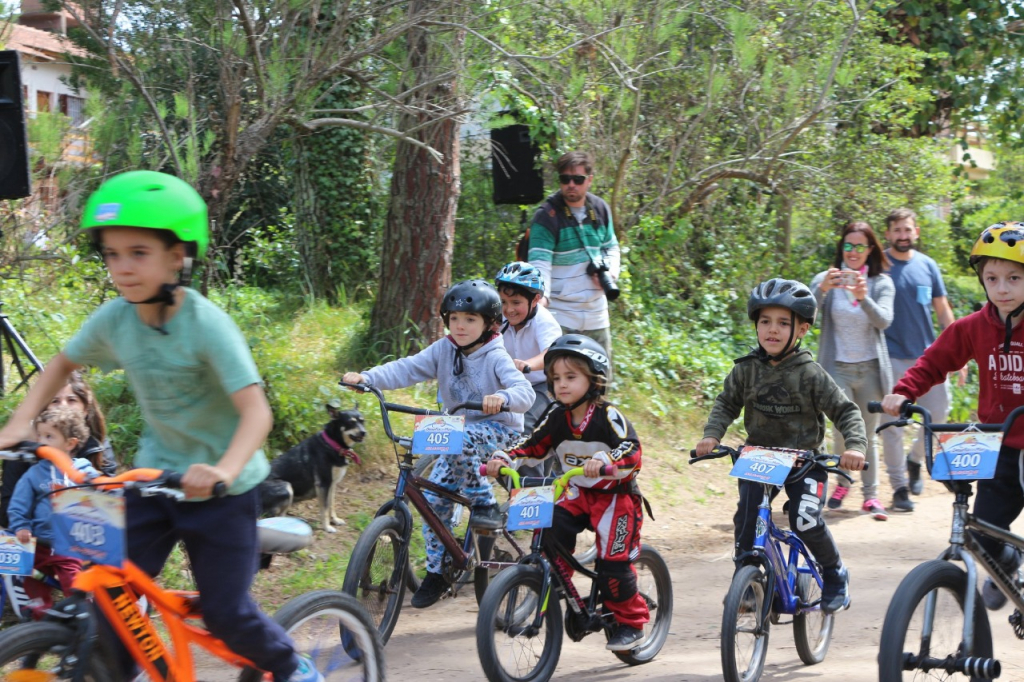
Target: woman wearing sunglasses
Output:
{"points": [[856, 301]]}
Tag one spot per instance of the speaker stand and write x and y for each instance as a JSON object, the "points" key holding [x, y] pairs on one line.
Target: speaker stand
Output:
{"points": [[10, 339]]}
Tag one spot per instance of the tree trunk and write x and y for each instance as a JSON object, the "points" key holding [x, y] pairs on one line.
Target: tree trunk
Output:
{"points": [[419, 231]]}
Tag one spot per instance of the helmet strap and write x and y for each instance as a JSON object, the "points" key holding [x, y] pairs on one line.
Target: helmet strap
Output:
{"points": [[1009, 326], [460, 351]]}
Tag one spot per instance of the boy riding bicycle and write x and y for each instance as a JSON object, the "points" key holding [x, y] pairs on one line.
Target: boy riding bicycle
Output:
{"points": [[785, 396], [200, 393], [584, 430], [470, 365], [992, 337]]}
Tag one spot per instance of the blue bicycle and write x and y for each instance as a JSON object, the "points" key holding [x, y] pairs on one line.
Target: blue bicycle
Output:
{"points": [[774, 582]]}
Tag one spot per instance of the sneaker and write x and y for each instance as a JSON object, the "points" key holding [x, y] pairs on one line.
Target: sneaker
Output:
{"points": [[992, 596], [487, 518], [835, 589], [875, 508], [431, 589], [914, 473], [838, 495], [306, 672], [901, 501], [625, 638]]}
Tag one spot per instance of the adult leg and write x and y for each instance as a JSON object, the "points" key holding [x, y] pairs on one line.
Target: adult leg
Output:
{"points": [[867, 386], [847, 378], [892, 437]]}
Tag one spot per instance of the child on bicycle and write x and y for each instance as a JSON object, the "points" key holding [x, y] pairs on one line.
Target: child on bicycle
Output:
{"points": [[31, 506], [585, 430], [201, 396], [785, 396], [992, 337], [470, 365], [528, 330]]}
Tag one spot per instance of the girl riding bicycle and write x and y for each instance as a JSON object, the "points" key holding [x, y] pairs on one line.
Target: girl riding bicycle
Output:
{"points": [[584, 430], [785, 396], [470, 365], [199, 391]]}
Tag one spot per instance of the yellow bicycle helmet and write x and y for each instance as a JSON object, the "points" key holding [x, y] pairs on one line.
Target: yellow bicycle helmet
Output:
{"points": [[1003, 240]]}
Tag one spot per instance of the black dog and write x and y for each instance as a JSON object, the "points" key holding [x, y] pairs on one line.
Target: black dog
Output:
{"points": [[315, 467]]}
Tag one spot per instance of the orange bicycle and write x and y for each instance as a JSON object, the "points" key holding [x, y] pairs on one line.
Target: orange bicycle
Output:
{"points": [[329, 627]]}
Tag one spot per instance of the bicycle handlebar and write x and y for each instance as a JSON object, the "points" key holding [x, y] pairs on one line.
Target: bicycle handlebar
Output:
{"points": [[827, 463], [134, 479], [560, 482]]}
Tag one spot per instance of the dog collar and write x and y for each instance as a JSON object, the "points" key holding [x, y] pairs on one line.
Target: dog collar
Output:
{"points": [[343, 451]]}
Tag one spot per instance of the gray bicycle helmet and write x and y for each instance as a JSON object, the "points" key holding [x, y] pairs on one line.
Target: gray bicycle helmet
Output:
{"points": [[584, 347], [785, 293], [472, 296]]}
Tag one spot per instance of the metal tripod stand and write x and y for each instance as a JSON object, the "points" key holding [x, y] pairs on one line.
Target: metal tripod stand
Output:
{"points": [[14, 344]]}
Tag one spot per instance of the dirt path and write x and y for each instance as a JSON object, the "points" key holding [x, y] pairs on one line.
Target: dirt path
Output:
{"points": [[439, 644]]}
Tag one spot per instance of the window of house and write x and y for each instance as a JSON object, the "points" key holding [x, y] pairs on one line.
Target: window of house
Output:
{"points": [[43, 101], [73, 107]]}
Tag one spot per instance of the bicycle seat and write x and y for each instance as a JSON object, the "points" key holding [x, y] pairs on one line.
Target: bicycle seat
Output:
{"points": [[283, 535]]}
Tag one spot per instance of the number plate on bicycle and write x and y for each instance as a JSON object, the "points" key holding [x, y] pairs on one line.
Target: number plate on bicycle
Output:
{"points": [[531, 508], [969, 456], [89, 525], [438, 435], [16, 558], [764, 465]]}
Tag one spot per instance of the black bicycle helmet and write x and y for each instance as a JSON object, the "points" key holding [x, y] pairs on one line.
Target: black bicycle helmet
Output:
{"points": [[785, 293], [584, 347], [472, 296]]}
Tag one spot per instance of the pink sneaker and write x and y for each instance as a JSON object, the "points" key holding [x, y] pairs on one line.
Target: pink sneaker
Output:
{"points": [[840, 493], [875, 508]]}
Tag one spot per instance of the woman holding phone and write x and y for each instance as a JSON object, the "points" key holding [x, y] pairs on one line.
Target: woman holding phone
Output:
{"points": [[856, 301]]}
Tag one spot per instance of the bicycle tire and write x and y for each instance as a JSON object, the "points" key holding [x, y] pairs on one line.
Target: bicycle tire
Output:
{"points": [[41, 647], [374, 575], [812, 630], [743, 611], [655, 584], [950, 583], [503, 599], [335, 632]]}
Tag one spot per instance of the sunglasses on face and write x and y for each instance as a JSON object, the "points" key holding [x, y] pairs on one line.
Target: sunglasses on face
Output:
{"points": [[567, 179], [859, 248]]}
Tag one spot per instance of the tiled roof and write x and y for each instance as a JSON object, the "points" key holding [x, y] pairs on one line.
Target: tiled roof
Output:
{"points": [[39, 44]]}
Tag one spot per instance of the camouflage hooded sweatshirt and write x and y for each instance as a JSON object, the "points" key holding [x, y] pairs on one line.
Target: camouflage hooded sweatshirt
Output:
{"points": [[785, 406]]}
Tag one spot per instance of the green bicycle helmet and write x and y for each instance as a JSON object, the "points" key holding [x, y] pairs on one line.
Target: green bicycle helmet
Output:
{"points": [[151, 201]]}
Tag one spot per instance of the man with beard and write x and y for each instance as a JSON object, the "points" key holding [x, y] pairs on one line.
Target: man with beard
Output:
{"points": [[919, 290]]}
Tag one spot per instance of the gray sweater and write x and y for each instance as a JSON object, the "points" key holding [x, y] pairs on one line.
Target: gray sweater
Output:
{"points": [[877, 306], [487, 371]]}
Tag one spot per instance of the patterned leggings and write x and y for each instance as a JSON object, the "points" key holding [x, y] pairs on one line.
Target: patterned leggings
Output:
{"points": [[462, 473]]}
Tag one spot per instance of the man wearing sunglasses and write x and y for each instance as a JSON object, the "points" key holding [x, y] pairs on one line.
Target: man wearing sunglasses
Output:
{"points": [[919, 291], [573, 244]]}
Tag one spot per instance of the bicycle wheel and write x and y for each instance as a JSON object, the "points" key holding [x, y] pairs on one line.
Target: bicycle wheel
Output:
{"points": [[812, 630], [510, 649], [335, 632], [498, 548], [904, 628], [655, 585], [374, 575], [744, 643], [586, 548], [35, 652]]}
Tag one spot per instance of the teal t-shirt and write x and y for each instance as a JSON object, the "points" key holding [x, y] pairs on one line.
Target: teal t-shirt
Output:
{"points": [[183, 380]]}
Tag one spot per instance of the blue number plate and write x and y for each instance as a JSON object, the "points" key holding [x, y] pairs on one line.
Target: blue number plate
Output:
{"points": [[968, 456], [438, 435], [764, 465], [16, 558], [89, 525], [531, 508]]}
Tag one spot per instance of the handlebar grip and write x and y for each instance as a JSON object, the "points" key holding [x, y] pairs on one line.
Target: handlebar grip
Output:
{"points": [[478, 407], [359, 387], [875, 407], [173, 480]]}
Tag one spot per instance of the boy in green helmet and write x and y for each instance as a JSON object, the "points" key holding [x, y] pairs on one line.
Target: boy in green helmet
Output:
{"points": [[200, 393]]}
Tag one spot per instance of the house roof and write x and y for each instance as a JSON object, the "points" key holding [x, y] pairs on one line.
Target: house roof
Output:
{"points": [[39, 44]]}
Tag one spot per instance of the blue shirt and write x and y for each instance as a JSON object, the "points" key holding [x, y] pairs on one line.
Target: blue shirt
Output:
{"points": [[917, 282]]}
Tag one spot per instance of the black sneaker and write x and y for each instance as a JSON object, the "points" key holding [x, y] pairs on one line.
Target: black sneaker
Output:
{"points": [[835, 589], [431, 589], [914, 473], [992, 596], [901, 501], [487, 518], [625, 638]]}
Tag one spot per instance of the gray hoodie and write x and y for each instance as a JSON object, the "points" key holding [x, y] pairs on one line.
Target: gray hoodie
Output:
{"points": [[487, 371]]}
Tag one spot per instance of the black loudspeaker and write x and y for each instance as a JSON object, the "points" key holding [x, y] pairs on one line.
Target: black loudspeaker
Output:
{"points": [[15, 180], [513, 165]]}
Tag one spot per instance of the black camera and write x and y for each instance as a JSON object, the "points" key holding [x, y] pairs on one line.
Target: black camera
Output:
{"points": [[600, 268]]}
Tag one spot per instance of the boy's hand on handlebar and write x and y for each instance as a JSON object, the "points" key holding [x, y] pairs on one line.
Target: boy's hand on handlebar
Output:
{"points": [[494, 467], [706, 445], [353, 378], [851, 460], [892, 403], [23, 535], [199, 480], [492, 404], [592, 467]]}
